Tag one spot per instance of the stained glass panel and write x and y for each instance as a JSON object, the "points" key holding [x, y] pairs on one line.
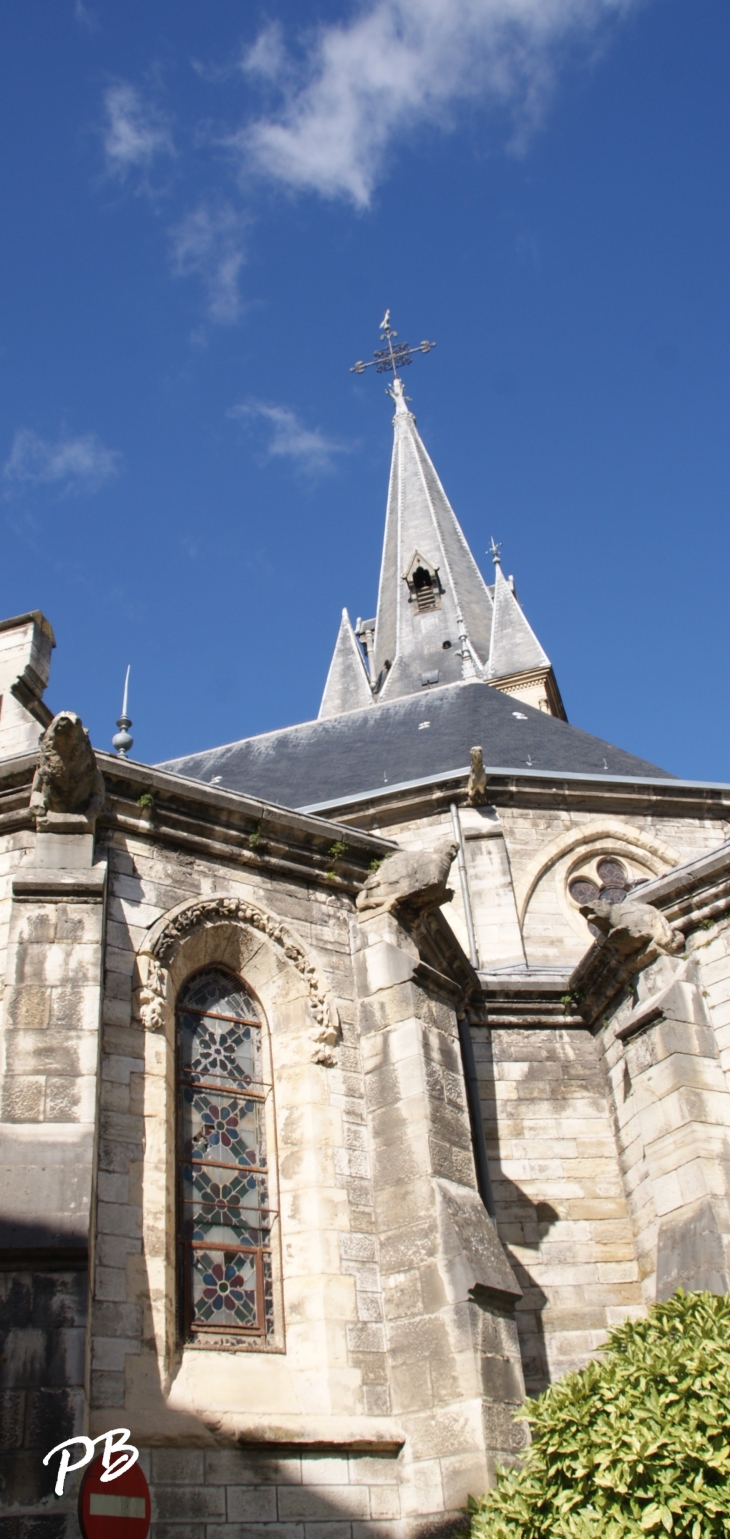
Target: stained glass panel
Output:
{"points": [[220, 994], [218, 1051], [611, 873], [226, 1290], [222, 1129], [583, 890], [223, 1186], [220, 1207]]}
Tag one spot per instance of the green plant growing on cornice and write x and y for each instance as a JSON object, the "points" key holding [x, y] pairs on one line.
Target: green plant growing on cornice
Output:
{"points": [[146, 801], [335, 852], [376, 863], [572, 1000], [633, 1445], [254, 839]]}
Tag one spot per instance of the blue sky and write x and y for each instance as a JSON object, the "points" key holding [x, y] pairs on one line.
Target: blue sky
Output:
{"points": [[207, 209]]}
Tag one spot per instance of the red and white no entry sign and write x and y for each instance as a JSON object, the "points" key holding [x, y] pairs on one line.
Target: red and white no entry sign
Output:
{"points": [[117, 1510]]}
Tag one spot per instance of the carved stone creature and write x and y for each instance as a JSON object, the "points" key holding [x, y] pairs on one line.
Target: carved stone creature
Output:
{"points": [[68, 787], [476, 790], [412, 879], [630, 926]]}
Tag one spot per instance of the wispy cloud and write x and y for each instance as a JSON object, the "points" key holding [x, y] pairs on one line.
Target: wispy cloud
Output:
{"points": [[79, 464], [267, 57], [135, 132], [208, 244], [85, 17], [400, 63], [310, 449]]}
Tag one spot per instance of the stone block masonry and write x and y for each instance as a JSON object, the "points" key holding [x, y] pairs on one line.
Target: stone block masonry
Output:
{"points": [[560, 1203]]}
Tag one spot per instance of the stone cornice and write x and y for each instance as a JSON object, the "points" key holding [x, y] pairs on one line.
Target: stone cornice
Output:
{"points": [[603, 795], [209, 821]]}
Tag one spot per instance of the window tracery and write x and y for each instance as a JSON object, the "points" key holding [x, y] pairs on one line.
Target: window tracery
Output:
{"points": [[605, 878], [224, 1213]]}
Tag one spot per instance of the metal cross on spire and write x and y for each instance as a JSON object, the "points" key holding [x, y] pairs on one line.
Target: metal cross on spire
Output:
{"points": [[495, 550], [393, 355]]}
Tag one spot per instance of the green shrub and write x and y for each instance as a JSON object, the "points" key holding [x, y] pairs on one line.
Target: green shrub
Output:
{"points": [[636, 1444]]}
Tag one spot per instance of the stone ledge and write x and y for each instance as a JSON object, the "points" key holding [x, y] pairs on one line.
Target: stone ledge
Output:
{"points": [[60, 885], [315, 1434]]}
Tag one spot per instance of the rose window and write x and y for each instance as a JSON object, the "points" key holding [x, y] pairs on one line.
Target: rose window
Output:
{"points": [[606, 879]]}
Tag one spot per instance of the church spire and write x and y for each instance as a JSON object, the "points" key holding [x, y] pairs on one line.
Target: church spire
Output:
{"points": [[437, 621], [434, 609]]}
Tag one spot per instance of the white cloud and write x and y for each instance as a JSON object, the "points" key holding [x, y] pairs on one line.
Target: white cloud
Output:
{"points": [[266, 57], [309, 448], [135, 133], [400, 63], [208, 244], [85, 17], [80, 464]]}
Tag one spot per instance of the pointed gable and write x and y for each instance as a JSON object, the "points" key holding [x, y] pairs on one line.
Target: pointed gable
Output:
{"points": [[514, 645], [347, 687]]}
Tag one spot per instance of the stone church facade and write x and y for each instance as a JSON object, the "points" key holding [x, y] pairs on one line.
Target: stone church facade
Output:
{"points": [[356, 1078]]}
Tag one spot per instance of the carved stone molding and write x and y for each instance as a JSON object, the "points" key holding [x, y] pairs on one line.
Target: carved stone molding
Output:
{"points": [[160, 951]]}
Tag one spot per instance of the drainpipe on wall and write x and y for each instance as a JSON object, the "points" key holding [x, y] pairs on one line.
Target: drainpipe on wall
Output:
{"points": [[463, 878]]}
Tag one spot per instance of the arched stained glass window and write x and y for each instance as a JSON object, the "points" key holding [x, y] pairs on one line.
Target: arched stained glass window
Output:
{"points": [[223, 1191]]}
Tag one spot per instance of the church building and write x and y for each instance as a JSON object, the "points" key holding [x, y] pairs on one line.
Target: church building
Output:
{"points": [[357, 1077]]}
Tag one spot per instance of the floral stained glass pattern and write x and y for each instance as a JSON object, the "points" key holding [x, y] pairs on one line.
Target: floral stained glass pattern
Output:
{"points": [[226, 1218]]}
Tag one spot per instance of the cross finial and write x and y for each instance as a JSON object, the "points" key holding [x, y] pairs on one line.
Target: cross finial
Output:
{"points": [[391, 355], [494, 550]]}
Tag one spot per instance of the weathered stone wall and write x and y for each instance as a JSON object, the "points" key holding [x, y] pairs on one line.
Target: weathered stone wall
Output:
{"points": [[560, 1205], [53, 915], [664, 1048], [519, 861], [42, 1363], [377, 1199]]}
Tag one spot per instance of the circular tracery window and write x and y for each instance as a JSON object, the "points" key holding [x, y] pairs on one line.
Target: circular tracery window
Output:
{"points": [[611, 883]]}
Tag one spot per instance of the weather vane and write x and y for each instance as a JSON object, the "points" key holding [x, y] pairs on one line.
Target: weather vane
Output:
{"points": [[495, 550], [394, 355]]}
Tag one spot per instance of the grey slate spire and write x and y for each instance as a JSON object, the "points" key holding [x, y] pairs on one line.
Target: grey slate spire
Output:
{"points": [[514, 646], [347, 687], [434, 616]]}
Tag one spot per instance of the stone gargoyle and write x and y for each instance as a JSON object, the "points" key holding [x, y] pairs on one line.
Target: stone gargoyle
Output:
{"points": [[68, 786], [476, 790], [410, 879], [631, 926]]}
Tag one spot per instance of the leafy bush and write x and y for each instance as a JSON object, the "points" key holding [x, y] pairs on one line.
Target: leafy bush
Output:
{"points": [[637, 1444]]}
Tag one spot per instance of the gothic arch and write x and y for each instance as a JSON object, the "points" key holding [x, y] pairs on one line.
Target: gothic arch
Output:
{"points": [[302, 1032], [657, 855], [201, 930]]}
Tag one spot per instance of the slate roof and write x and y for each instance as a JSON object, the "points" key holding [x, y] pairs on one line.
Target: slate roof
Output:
{"points": [[333, 759]]}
